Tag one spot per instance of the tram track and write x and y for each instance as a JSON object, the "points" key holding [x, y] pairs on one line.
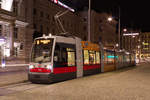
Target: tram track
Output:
{"points": [[22, 86], [18, 87]]}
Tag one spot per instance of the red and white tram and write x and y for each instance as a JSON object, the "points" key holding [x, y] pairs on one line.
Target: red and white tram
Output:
{"points": [[58, 58]]}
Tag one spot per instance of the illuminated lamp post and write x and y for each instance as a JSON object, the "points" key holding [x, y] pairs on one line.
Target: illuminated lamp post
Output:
{"points": [[123, 39], [110, 19], [118, 44], [119, 29]]}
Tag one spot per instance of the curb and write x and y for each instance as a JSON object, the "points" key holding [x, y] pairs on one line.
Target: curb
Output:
{"points": [[7, 72], [8, 65]]}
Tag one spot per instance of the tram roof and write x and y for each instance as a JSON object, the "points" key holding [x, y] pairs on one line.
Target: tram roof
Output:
{"points": [[62, 39]]}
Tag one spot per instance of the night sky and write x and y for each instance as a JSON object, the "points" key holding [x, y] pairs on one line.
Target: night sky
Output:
{"points": [[134, 13]]}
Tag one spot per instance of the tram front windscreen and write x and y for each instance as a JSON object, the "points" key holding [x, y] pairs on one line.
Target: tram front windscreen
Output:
{"points": [[42, 50]]}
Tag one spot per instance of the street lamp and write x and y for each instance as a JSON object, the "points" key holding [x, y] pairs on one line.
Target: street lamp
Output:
{"points": [[119, 29], [117, 45], [109, 19], [124, 30]]}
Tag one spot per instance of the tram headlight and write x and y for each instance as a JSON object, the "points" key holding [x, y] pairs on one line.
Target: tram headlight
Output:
{"points": [[31, 66], [49, 67]]}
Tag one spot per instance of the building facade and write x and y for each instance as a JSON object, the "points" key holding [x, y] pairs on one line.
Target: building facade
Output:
{"points": [[101, 29], [25, 19], [145, 44], [130, 40], [15, 30], [44, 19]]}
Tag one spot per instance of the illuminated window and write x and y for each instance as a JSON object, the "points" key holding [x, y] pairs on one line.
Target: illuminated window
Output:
{"points": [[64, 56], [92, 59], [110, 57], [71, 57], [97, 58], [86, 57], [127, 58], [7, 4], [120, 58]]}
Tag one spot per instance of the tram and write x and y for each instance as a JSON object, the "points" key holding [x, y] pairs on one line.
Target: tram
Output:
{"points": [[58, 58]]}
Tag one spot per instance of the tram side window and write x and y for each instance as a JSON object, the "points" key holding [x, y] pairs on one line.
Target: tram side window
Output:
{"points": [[86, 57], [64, 57], [132, 58], [110, 57], [71, 56], [128, 58], [60, 57], [92, 57], [124, 58], [119, 58]]}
